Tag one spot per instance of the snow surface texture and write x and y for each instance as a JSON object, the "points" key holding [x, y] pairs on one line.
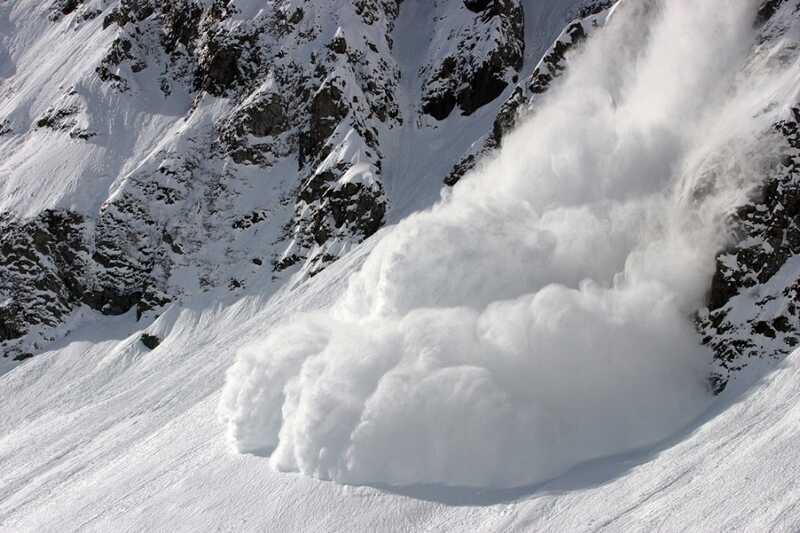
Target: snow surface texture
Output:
{"points": [[541, 314]]}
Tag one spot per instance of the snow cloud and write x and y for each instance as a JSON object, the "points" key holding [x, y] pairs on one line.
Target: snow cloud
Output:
{"points": [[540, 315]]}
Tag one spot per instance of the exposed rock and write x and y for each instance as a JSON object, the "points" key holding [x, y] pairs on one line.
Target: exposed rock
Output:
{"points": [[151, 342], [119, 52], [757, 276], [525, 95], [265, 118], [277, 161], [129, 11], [180, 24], [327, 111], [476, 6], [58, 118], [485, 59], [554, 63], [339, 44], [44, 263], [220, 62], [250, 220], [372, 11], [767, 10], [65, 7], [595, 7]]}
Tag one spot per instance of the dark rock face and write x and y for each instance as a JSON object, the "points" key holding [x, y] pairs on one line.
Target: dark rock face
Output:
{"points": [[262, 115], [58, 118], [120, 52], [64, 116], [439, 105], [221, 62], [595, 7], [372, 10], [335, 208], [181, 38], [68, 6], [767, 11], [266, 118], [56, 262], [124, 256], [180, 24], [65, 7], [525, 95], [129, 11], [471, 80], [476, 6], [151, 342], [755, 276], [327, 111], [554, 63], [42, 267]]}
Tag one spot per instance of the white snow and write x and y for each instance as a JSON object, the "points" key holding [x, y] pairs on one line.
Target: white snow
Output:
{"points": [[462, 347], [540, 316], [102, 435]]}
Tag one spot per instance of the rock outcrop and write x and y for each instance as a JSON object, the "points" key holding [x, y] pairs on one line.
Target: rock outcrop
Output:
{"points": [[273, 167], [754, 300], [484, 54], [526, 94]]}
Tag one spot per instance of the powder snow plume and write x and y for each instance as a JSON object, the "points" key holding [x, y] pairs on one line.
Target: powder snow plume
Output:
{"points": [[541, 314]]}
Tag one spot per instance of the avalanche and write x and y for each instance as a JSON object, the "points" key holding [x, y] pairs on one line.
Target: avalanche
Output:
{"points": [[537, 323], [541, 315]]}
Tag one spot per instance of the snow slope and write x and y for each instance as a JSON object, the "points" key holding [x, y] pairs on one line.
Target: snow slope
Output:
{"points": [[103, 434], [194, 148], [540, 315]]}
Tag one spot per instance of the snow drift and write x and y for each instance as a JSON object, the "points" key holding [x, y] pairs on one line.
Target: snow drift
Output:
{"points": [[542, 313]]}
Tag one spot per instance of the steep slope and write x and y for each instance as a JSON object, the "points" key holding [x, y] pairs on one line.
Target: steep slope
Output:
{"points": [[657, 196], [539, 315], [103, 434], [752, 309], [167, 149]]}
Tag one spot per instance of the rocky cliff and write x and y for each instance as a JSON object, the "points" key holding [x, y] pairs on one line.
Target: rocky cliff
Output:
{"points": [[209, 146]]}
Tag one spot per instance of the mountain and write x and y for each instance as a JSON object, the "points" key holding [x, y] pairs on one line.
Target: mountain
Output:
{"points": [[339, 265], [181, 148]]}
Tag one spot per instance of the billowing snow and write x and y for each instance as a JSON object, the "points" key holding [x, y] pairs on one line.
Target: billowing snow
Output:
{"points": [[102, 434], [541, 315]]}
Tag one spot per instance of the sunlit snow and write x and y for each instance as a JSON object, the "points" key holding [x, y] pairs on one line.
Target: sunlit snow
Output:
{"points": [[541, 314]]}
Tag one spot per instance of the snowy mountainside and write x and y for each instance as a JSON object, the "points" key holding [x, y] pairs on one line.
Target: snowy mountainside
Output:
{"points": [[539, 316], [206, 146], [593, 329], [752, 310], [128, 439]]}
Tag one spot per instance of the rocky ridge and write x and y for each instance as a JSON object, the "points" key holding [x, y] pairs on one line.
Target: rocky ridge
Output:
{"points": [[754, 300], [526, 94], [275, 166]]}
